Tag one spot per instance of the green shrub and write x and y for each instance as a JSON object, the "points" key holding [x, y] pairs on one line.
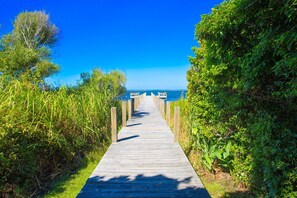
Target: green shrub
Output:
{"points": [[243, 90], [43, 132]]}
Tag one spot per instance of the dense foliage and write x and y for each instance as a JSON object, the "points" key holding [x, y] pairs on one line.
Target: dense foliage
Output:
{"points": [[43, 130], [25, 52], [242, 93]]}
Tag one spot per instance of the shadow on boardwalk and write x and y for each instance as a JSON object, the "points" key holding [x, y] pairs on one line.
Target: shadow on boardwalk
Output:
{"points": [[141, 186], [140, 114], [128, 138], [136, 124]]}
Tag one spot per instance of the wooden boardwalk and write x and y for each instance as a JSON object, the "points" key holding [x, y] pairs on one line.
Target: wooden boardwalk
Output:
{"points": [[145, 162]]}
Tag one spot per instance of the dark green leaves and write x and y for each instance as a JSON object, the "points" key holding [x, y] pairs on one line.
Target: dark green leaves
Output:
{"points": [[243, 92]]}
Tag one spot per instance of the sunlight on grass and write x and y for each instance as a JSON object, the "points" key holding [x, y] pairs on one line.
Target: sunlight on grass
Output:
{"points": [[215, 189], [70, 184]]}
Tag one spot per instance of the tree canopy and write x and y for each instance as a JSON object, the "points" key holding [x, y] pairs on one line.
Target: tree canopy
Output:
{"points": [[25, 53], [110, 82]]}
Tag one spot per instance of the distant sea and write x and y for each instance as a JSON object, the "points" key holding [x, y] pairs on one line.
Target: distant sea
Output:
{"points": [[172, 95]]}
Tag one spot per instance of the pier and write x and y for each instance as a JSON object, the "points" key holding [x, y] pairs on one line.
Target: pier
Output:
{"points": [[145, 159]]}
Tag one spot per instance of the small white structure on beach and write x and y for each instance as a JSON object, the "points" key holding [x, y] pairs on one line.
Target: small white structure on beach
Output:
{"points": [[162, 95], [134, 94]]}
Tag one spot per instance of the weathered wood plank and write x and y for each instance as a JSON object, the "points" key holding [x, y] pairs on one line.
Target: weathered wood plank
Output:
{"points": [[129, 109], [124, 114], [114, 134], [145, 161], [168, 112]]}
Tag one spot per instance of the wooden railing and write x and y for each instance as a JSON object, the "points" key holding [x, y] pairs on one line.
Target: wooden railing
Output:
{"points": [[131, 105], [160, 104]]}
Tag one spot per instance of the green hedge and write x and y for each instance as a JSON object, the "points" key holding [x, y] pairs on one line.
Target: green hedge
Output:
{"points": [[242, 93]]}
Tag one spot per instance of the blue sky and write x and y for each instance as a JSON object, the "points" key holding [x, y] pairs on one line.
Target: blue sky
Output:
{"points": [[149, 40]]}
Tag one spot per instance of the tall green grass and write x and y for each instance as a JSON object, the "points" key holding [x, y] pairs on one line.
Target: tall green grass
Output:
{"points": [[44, 132]]}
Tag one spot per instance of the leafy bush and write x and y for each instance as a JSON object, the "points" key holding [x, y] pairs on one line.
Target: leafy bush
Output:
{"points": [[243, 91], [43, 132], [213, 152]]}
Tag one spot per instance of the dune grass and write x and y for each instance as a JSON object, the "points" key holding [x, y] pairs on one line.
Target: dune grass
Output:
{"points": [[44, 133]]}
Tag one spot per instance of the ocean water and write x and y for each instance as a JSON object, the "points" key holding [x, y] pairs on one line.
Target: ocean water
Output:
{"points": [[172, 95]]}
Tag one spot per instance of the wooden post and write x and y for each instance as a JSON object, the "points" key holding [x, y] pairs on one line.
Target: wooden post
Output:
{"points": [[124, 114], [162, 107], [176, 123], [114, 134], [135, 104], [129, 109], [132, 105], [168, 112]]}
